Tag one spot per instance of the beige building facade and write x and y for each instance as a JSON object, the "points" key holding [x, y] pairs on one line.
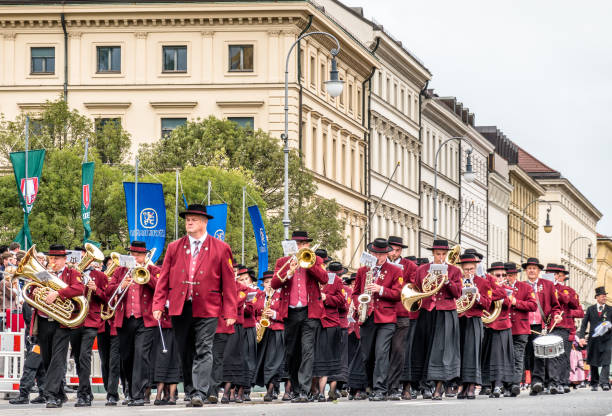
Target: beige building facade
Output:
{"points": [[154, 65], [604, 265]]}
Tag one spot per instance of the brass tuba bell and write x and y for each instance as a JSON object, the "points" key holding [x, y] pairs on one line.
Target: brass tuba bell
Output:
{"points": [[92, 254]]}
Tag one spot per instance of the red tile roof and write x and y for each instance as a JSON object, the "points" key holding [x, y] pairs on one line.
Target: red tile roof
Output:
{"points": [[532, 165]]}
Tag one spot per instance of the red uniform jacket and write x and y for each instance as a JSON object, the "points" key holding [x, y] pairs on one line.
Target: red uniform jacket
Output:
{"points": [[275, 324], [98, 298], [568, 300], [482, 304], [444, 300], [519, 313], [145, 294], [347, 292], [334, 302], [250, 316], [214, 291], [75, 287], [408, 272], [241, 293], [548, 301], [575, 313], [503, 320], [382, 305], [315, 275]]}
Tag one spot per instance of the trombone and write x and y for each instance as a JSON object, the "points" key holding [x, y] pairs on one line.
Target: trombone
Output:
{"points": [[140, 275]]}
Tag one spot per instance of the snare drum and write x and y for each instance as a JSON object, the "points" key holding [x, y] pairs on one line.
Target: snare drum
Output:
{"points": [[548, 346]]}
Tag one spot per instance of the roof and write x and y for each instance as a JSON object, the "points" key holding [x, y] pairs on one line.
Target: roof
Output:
{"points": [[533, 166]]}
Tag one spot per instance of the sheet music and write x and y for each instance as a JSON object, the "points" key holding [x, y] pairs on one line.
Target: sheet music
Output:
{"points": [[73, 256], [289, 247], [367, 259], [127, 261], [438, 268], [44, 276]]}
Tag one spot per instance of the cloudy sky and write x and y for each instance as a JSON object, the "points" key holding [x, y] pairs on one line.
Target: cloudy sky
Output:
{"points": [[539, 70]]}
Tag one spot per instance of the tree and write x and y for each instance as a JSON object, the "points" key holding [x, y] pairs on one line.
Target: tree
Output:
{"points": [[223, 143], [111, 141]]}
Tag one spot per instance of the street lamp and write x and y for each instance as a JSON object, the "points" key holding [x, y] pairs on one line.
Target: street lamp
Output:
{"points": [[547, 226], [589, 258], [334, 88], [468, 176]]}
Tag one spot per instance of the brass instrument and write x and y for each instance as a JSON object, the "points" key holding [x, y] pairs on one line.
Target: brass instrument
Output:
{"points": [[365, 298], [140, 276], [466, 301], [488, 317], [305, 257], [264, 322], [68, 312], [432, 283], [92, 254], [106, 313]]}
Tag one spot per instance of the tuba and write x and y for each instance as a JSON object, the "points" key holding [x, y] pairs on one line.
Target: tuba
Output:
{"points": [[68, 312], [92, 254], [107, 313], [412, 298], [488, 317]]}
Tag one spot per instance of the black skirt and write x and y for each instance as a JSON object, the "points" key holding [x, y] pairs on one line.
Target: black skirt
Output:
{"points": [[342, 375], [234, 363], [471, 342], [270, 358], [408, 375], [167, 366], [250, 353], [358, 378], [327, 352], [443, 358], [497, 357]]}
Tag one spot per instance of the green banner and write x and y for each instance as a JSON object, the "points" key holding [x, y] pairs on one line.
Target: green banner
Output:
{"points": [[86, 192], [27, 189]]}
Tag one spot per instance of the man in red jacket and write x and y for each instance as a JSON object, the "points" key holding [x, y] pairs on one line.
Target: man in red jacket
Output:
{"points": [[301, 306], [134, 321], [523, 302], [54, 338], [197, 280], [547, 314], [379, 324], [404, 318], [436, 355]]}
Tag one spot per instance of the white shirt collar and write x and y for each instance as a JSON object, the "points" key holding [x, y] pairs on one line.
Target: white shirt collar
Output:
{"points": [[201, 240]]}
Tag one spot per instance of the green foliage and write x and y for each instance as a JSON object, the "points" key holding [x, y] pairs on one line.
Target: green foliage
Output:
{"points": [[111, 142]]}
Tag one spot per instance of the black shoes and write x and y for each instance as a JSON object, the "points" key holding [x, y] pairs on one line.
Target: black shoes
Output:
{"points": [[213, 399], [81, 402], [268, 398], [54, 404], [536, 388], [20, 400], [554, 389], [111, 401], [566, 389], [196, 401], [605, 387], [377, 397], [137, 402], [515, 390], [300, 398], [40, 399], [394, 395]]}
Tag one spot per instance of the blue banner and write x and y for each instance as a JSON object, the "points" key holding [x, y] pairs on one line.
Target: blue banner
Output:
{"points": [[216, 227], [260, 239], [151, 226]]}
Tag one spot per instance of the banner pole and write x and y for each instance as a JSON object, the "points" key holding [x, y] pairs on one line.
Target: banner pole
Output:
{"points": [[176, 206], [135, 199], [243, 208], [25, 184], [86, 149], [209, 186]]}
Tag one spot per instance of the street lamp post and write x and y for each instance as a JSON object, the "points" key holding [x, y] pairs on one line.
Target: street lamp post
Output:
{"points": [[334, 88], [588, 259], [547, 226], [468, 175]]}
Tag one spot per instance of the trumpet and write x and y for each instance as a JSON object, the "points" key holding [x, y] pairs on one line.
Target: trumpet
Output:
{"points": [[305, 257]]}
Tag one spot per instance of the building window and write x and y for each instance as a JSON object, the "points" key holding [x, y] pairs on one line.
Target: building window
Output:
{"points": [[109, 58], [313, 71], [244, 122], [301, 64], [359, 103], [350, 97], [322, 78], [342, 94], [175, 59], [169, 124], [241, 58], [43, 60], [101, 122]]}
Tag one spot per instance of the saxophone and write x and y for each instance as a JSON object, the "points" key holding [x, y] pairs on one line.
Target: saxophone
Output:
{"points": [[366, 297], [264, 322]]}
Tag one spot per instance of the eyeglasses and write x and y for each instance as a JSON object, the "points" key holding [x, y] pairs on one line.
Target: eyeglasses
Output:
{"points": [[500, 275]]}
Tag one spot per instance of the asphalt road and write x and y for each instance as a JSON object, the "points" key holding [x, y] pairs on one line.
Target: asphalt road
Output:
{"points": [[577, 403]]}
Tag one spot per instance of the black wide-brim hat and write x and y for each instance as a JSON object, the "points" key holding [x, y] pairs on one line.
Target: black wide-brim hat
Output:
{"points": [[57, 250], [600, 291], [496, 265], [468, 258], [336, 267], [268, 274], [196, 209], [474, 252], [554, 268], [439, 245], [321, 252], [379, 245], [422, 260], [138, 247], [511, 268], [532, 261], [349, 279], [300, 236], [396, 241]]}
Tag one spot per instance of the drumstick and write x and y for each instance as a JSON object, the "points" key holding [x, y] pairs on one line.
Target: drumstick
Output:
{"points": [[161, 334], [555, 323]]}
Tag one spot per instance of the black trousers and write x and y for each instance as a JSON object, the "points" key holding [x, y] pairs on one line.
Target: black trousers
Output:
{"points": [[82, 340], [519, 342], [110, 360], [375, 346], [564, 370], [53, 341], [194, 338], [33, 372], [136, 342], [547, 370], [300, 340], [219, 343], [398, 352], [600, 375]]}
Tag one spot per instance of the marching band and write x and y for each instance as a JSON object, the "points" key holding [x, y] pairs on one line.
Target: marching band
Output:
{"points": [[398, 328]]}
